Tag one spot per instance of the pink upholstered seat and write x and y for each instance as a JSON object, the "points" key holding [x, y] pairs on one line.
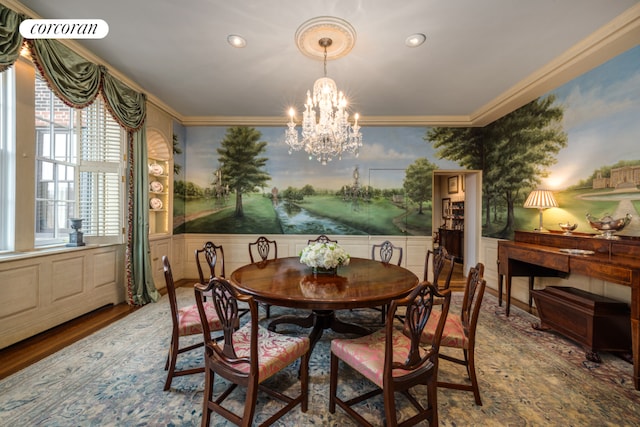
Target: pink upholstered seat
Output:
{"points": [[247, 356], [189, 319], [366, 354], [453, 334], [394, 361]]}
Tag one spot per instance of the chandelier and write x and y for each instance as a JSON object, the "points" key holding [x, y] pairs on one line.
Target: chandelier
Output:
{"points": [[326, 131]]}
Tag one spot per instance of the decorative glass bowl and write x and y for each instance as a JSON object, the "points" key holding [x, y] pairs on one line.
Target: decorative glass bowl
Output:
{"points": [[606, 225], [568, 228]]}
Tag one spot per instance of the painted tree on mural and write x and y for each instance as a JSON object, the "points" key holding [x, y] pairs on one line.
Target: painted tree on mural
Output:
{"points": [[513, 152], [242, 166], [417, 182]]}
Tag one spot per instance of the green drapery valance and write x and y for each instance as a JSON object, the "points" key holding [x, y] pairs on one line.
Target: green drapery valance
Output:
{"points": [[77, 82], [72, 78], [127, 106], [10, 38]]}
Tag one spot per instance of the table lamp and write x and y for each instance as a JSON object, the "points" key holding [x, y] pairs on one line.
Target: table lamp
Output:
{"points": [[541, 200]]}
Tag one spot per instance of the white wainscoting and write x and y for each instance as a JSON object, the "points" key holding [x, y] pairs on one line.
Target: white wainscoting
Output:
{"points": [[236, 250], [45, 290]]}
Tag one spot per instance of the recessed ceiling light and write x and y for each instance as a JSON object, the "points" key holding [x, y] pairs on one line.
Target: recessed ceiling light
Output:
{"points": [[415, 40], [236, 41]]}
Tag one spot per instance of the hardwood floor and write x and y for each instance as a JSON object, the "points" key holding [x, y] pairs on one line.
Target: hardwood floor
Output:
{"points": [[22, 354]]}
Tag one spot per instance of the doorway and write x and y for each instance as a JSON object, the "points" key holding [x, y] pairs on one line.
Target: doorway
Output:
{"points": [[457, 213]]}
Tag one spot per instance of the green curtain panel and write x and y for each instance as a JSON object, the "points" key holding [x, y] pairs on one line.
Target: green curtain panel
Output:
{"points": [[141, 287], [10, 38], [77, 82]]}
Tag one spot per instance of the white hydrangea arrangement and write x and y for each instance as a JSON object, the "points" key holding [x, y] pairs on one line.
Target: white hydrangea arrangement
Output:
{"points": [[324, 255]]}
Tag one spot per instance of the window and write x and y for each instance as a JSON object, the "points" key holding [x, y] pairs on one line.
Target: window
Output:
{"points": [[7, 159], [101, 183], [78, 169]]}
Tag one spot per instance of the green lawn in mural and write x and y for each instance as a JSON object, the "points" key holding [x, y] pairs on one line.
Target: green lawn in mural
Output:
{"points": [[325, 213]]}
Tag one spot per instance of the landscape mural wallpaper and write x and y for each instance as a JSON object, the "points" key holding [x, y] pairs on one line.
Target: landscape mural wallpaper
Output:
{"points": [[580, 140]]}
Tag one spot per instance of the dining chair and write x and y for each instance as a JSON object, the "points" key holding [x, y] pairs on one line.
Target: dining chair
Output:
{"points": [[460, 331], [214, 258], [263, 249], [439, 261], [386, 252], [394, 361], [321, 239], [185, 321], [247, 357]]}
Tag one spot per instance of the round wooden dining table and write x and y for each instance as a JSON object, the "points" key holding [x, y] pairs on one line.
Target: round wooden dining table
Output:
{"points": [[288, 283]]}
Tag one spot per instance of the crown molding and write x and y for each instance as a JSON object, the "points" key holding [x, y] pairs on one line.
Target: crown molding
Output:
{"points": [[452, 121], [614, 38]]}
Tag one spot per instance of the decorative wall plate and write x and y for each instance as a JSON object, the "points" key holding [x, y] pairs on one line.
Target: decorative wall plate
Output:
{"points": [[156, 187], [155, 203], [156, 169]]}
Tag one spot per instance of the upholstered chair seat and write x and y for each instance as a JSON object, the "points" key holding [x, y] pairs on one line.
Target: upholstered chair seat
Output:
{"points": [[366, 354], [189, 319], [453, 334], [275, 351]]}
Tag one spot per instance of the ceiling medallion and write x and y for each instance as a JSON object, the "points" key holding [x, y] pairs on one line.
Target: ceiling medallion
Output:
{"points": [[339, 31]]}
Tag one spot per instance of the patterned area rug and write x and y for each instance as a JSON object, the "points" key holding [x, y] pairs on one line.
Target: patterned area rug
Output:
{"points": [[115, 378]]}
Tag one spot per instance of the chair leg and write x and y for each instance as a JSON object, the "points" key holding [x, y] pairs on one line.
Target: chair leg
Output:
{"points": [[390, 408], [250, 404], [207, 397], [432, 395], [333, 383], [166, 364], [474, 379], [304, 381], [173, 356]]}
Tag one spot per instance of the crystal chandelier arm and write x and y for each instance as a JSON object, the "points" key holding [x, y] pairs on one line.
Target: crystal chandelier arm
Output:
{"points": [[332, 134]]}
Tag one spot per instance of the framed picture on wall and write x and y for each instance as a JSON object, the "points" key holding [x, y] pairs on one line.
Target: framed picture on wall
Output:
{"points": [[446, 207], [453, 184]]}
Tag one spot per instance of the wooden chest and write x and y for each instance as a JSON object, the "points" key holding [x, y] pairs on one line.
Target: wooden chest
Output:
{"points": [[596, 322]]}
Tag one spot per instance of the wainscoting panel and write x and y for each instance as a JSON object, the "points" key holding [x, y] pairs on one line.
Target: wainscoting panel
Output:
{"points": [[42, 290], [104, 269], [237, 253], [67, 278], [20, 291]]}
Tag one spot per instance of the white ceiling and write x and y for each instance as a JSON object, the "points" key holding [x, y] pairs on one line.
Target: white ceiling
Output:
{"points": [[480, 58]]}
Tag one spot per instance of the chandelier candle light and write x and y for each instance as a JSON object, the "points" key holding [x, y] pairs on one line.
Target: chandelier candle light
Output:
{"points": [[326, 131]]}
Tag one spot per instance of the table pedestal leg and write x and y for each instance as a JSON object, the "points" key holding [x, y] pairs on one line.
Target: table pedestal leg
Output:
{"points": [[304, 322], [320, 320]]}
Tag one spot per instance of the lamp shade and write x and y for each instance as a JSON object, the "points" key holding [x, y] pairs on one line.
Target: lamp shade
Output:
{"points": [[541, 199]]}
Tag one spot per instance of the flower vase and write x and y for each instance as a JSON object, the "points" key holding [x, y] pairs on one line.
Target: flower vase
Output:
{"points": [[325, 271]]}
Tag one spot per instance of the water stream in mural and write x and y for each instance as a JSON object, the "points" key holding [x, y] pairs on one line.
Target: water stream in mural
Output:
{"points": [[296, 220]]}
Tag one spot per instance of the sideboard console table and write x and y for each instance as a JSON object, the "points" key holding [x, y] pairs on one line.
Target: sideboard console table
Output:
{"points": [[553, 254]]}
